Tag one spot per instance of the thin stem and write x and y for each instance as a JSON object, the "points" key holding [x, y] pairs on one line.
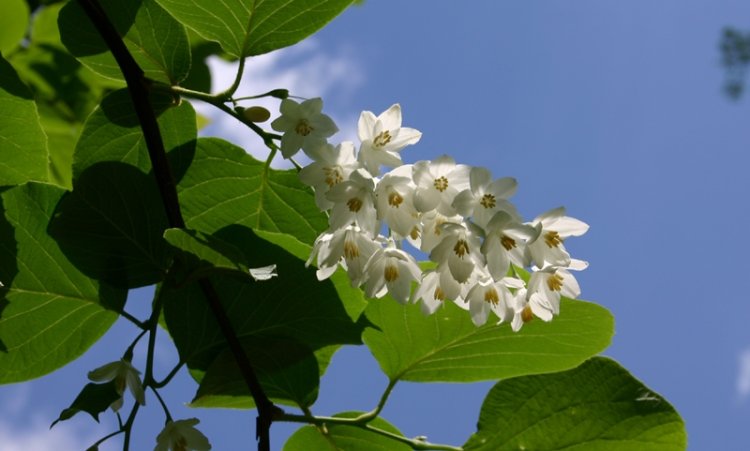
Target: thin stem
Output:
{"points": [[169, 376], [163, 404], [129, 426], [414, 443], [132, 319], [383, 399], [105, 438], [128, 355], [227, 93]]}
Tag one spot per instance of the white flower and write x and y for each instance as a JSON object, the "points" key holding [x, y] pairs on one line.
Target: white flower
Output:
{"points": [[504, 243], [430, 232], [124, 375], [484, 197], [459, 250], [553, 228], [181, 435], [391, 270], [383, 138], [354, 201], [394, 194], [330, 167], [437, 285], [488, 295], [548, 284], [438, 182], [303, 125]]}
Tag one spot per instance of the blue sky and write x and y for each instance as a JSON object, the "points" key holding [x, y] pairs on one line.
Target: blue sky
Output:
{"points": [[612, 109]]}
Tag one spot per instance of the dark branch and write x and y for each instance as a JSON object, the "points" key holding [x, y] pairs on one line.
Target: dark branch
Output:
{"points": [[138, 86]]}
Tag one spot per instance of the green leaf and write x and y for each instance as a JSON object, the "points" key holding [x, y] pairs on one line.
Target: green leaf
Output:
{"points": [[113, 133], [156, 40], [223, 185], [447, 347], [13, 23], [54, 312], [287, 370], [111, 226], [23, 144], [206, 252], [294, 305], [343, 437], [253, 27], [598, 405], [93, 399]]}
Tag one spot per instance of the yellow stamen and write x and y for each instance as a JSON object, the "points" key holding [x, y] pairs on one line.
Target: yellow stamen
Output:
{"points": [[439, 295], [391, 273], [303, 127], [441, 184], [355, 204], [382, 139], [488, 201], [507, 242], [491, 296], [395, 199], [526, 314], [461, 248], [333, 176], [555, 282], [350, 250], [552, 239], [414, 234]]}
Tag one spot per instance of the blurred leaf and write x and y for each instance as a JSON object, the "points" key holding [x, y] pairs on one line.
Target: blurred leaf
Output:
{"points": [[287, 370], [70, 310], [598, 405], [113, 133], [158, 43], [342, 437], [111, 225], [447, 347], [224, 185], [93, 399], [23, 144], [13, 23], [252, 27]]}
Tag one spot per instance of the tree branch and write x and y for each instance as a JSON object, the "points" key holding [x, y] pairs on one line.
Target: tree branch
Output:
{"points": [[138, 86]]}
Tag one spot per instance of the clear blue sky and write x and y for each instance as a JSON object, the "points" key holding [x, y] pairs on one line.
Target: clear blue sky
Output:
{"points": [[612, 109]]}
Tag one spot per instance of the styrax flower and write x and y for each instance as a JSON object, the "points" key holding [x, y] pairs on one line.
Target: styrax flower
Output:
{"points": [[553, 227], [485, 197], [330, 167], [304, 126], [181, 435], [391, 270], [124, 375], [438, 182], [383, 138]]}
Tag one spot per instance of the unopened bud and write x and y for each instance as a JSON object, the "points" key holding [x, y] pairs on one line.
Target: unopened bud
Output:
{"points": [[256, 114]]}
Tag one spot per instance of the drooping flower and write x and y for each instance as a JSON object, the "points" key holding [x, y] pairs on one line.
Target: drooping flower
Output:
{"points": [[354, 202], [553, 228], [485, 197], [459, 250], [436, 287], [330, 167], [488, 295], [505, 242], [304, 126], [395, 205], [350, 246], [431, 230], [438, 182], [124, 375], [391, 270], [181, 435], [383, 138]]}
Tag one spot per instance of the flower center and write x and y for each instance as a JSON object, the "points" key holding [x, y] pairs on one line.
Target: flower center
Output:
{"points": [[414, 234], [461, 248], [441, 183], [526, 314], [351, 250], [555, 282], [491, 296], [354, 204], [303, 127], [333, 176], [395, 199], [488, 201], [507, 242], [552, 239], [391, 273], [382, 139], [439, 295], [180, 444]]}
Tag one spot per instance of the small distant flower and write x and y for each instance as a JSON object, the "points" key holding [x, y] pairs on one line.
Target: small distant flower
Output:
{"points": [[438, 182], [181, 435], [383, 138], [304, 126], [553, 228], [485, 197], [124, 375], [391, 270], [330, 167]]}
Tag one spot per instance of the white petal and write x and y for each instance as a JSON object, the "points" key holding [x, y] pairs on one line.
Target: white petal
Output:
{"points": [[567, 226], [479, 178], [366, 125], [504, 187], [263, 273], [391, 118]]}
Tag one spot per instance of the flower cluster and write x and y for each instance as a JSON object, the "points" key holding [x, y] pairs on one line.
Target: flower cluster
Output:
{"points": [[459, 215]]}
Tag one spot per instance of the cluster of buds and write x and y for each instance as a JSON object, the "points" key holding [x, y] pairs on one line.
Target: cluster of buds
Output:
{"points": [[458, 215]]}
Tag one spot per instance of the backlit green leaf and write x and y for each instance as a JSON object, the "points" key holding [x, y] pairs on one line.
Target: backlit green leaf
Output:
{"points": [[253, 27], [447, 347], [343, 437], [54, 312], [93, 399], [13, 23], [597, 406], [157, 41]]}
